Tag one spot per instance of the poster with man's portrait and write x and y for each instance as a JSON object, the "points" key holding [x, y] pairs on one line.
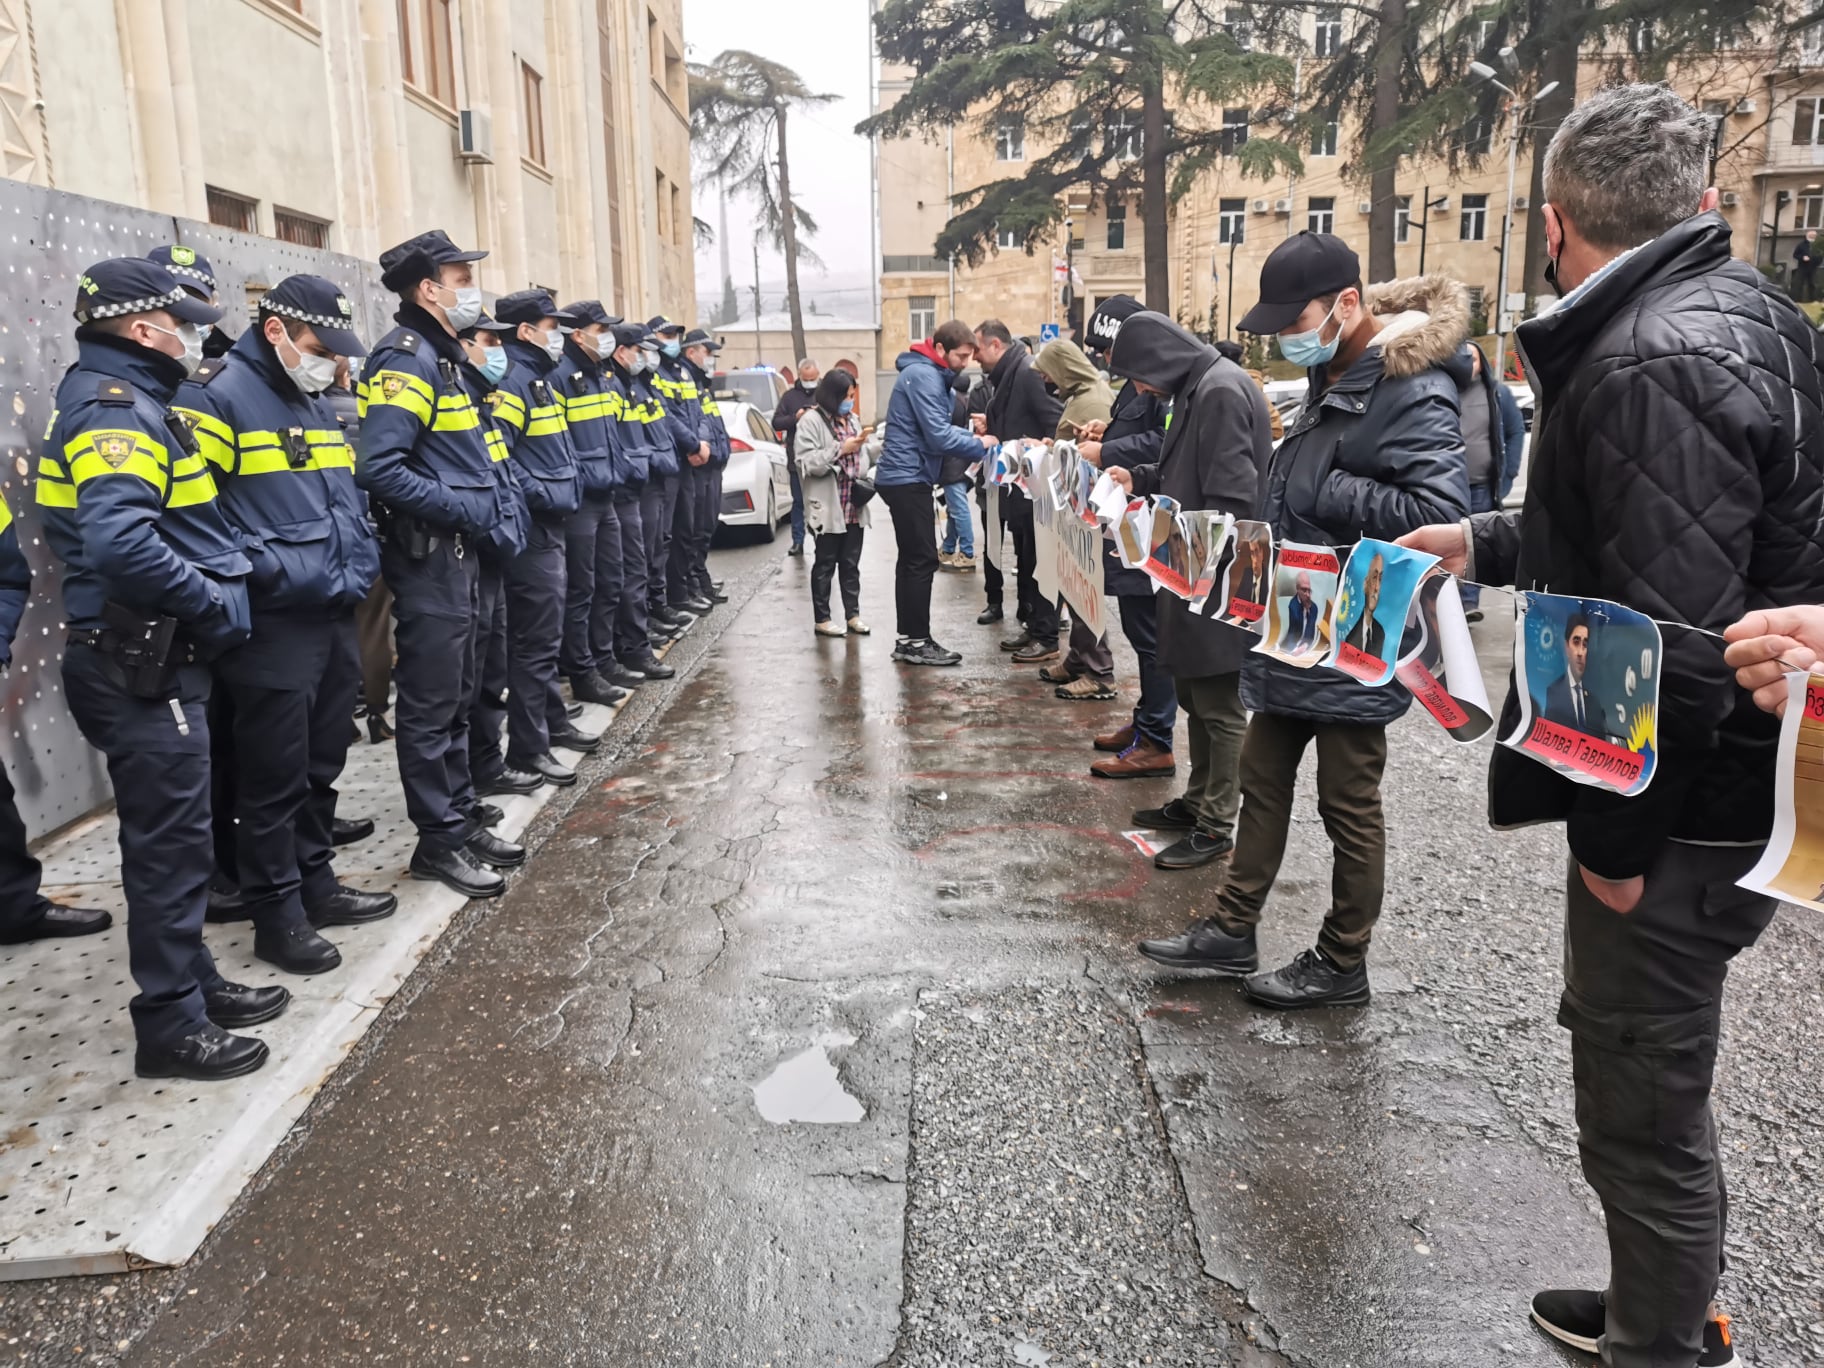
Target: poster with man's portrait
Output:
{"points": [[1298, 610]]}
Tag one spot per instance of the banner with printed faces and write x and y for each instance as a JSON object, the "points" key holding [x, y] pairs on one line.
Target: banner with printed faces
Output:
{"points": [[1047, 513], [1588, 676], [1438, 662], [1210, 546], [1298, 609], [1792, 867], [1168, 558], [1247, 578], [1373, 601]]}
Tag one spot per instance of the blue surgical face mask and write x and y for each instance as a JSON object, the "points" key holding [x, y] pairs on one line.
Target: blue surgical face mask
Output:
{"points": [[848, 406], [494, 365], [671, 350], [1305, 349]]}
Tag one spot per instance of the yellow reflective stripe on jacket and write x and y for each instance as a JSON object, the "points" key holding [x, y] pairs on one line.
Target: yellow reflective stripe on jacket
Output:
{"points": [[710, 406], [546, 421], [6, 516], [189, 467], [214, 437], [398, 390], [580, 408], [54, 493], [265, 453], [509, 408], [497, 445], [187, 493], [116, 451], [455, 413]]}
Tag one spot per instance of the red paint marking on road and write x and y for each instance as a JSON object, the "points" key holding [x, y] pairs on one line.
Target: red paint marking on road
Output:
{"points": [[1129, 887], [1182, 1008]]}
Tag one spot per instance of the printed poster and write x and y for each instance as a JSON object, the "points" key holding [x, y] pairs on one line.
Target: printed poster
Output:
{"points": [[1298, 611], [1438, 662], [1793, 866], [1168, 560], [1588, 675], [1046, 515], [1249, 577], [1108, 500], [1373, 600], [1209, 554], [1079, 572]]}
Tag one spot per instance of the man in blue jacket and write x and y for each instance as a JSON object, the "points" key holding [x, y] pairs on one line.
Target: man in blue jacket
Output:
{"points": [[919, 435], [1494, 440], [286, 479]]}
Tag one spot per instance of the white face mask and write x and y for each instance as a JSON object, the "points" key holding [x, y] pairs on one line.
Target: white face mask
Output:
{"points": [[554, 344], [467, 308], [193, 344], [312, 374]]}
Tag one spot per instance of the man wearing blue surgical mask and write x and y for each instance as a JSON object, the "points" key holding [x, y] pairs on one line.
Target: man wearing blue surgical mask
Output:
{"points": [[1377, 451]]}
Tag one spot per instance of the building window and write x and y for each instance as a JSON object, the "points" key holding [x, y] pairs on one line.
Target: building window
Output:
{"points": [[604, 23], [680, 221], [427, 47], [405, 42], [1474, 227], [1121, 137], [921, 316], [1321, 216], [1329, 37], [1240, 26], [1010, 139], [1808, 212], [662, 204], [1323, 140], [300, 228], [1477, 134], [1116, 214], [231, 210], [532, 109], [1485, 31], [1402, 218], [1234, 130], [1006, 238], [1230, 220], [1808, 123], [1640, 37]]}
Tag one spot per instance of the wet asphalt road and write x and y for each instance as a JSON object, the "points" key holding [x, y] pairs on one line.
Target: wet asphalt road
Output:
{"points": [[905, 888]]}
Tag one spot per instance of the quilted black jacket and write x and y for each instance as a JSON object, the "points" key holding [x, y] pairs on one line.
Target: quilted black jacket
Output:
{"points": [[1677, 468]]}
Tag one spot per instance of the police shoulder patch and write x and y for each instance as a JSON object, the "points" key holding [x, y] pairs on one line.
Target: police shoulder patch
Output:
{"points": [[391, 385], [407, 342], [117, 392], [114, 447], [494, 398]]}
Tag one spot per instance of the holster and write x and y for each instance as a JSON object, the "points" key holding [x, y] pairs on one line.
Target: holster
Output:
{"points": [[147, 651]]}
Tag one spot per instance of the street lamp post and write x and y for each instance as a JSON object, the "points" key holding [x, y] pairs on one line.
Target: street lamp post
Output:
{"points": [[1234, 242], [1516, 108]]}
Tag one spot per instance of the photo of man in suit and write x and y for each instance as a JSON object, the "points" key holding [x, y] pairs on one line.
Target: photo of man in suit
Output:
{"points": [[1568, 700], [1251, 583], [1301, 617], [1367, 634]]}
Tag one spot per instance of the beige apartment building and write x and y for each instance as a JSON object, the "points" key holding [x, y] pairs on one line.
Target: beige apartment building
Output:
{"points": [[554, 133], [1771, 172]]}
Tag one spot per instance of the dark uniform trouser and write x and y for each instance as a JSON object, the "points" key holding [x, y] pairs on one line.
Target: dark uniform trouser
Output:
{"points": [[681, 563], [290, 691], [436, 603], [488, 711], [592, 569], [1350, 759], [708, 515], [22, 906], [535, 627], [1643, 1001], [161, 789], [658, 507], [630, 622]]}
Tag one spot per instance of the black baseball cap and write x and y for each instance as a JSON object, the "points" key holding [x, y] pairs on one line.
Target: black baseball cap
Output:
{"points": [[1298, 271], [587, 311], [532, 306], [1105, 323], [190, 266], [418, 258], [320, 303], [696, 337], [133, 285]]}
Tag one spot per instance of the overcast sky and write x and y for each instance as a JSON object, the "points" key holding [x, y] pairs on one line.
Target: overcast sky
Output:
{"points": [[827, 45]]}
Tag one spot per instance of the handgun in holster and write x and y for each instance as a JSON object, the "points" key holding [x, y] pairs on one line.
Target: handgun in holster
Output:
{"points": [[147, 651]]}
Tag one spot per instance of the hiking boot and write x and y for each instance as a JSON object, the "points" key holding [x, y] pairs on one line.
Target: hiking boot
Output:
{"points": [[1057, 674], [1086, 689], [963, 565], [1117, 741], [1145, 759]]}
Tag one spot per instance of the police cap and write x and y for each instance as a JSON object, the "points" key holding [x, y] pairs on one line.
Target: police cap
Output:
{"points": [[489, 324], [190, 266], [696, 337], [134, 285], [629, 334], [587, 311], [418, 258], [320, 303], [533, 306], [662, 325]]}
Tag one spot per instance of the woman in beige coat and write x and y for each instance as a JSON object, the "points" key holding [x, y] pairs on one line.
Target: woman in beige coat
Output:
{"points": [[831, 450]]}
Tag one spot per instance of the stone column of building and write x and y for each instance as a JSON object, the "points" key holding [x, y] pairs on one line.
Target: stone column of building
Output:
{"points": [[384, 96], [498, 91], [164, 104], [582, 203], [346, 89]]}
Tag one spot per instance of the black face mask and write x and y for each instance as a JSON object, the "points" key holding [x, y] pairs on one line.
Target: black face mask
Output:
{"points": [[1551, 276]]}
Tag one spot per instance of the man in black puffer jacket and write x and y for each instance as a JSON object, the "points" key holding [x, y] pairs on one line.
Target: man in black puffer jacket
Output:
{"points": [[1678, 468]]}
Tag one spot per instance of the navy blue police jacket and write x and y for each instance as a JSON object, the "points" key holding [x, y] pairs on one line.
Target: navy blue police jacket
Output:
{"points": [[677, 386], [285, 477], [423, 450], [507, 538], [586, 410], [15, 583], [636, 427], [661, 429], [712, 429], [128, 503], [529, 412]]}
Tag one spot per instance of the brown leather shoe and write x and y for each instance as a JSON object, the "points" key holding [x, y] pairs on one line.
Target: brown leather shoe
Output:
{"points": [[1116, 742], [1037, 653], [1057, 674], [1145, 759]]}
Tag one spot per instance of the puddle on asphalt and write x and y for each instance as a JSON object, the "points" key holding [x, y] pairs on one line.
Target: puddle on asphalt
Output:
{"points": [[807, 1088]]}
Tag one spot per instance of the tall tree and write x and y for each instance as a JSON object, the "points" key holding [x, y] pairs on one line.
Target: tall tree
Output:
{"points": [[1110, 97], [738, 108]]}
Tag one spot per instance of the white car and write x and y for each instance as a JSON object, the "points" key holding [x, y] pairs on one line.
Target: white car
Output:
{"points": [[756, 487]]}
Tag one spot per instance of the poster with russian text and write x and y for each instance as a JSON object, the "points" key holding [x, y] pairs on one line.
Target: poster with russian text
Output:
{"points": [[1373, 600], [1438, 662], [1168, 560], [1298, 609], [1248, 581], [1792, 867], [1209, 555]]}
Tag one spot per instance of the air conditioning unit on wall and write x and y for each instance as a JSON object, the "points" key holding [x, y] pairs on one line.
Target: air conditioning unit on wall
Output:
{"points": [[1365, 207], [1731, 199], [1441, 205], [1282, 206], [1260, 206], [1521, 202], [474, 136]]}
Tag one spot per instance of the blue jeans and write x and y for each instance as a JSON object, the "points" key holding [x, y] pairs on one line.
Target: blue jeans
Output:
{"points": [[1157, 711], [797, 509], [959, 525], [1482, 499]]}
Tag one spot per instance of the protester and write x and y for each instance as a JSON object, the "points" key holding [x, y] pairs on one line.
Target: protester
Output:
{"points": [[1019, 407], [1087, 672], [919, 436], [830, 461], [1494, 439], [1805, 267], [1377, 453], [1669, 475], [785, 422]]}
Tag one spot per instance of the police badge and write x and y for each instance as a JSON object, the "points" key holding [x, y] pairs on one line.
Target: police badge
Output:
{"points": [[114, 448], [391, 386]]}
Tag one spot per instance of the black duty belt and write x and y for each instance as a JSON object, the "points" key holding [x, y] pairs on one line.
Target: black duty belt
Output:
{"points": [[109, 640]]}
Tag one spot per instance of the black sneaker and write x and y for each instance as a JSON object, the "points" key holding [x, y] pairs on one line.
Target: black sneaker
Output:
{"points": [[1577, 1317], [1311, 980], [1174, 816], [1194, 850], [1206, 945], [992, 613], [926, 652]]}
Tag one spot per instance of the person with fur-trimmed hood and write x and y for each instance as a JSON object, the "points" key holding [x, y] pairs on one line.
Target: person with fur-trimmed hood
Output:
{"points": [[1376, 452]]}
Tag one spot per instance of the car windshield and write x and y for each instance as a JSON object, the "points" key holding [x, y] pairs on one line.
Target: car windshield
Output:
{"points": [[763, 389]]}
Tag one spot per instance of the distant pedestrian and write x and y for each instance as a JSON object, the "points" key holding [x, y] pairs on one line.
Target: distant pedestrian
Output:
{"points": [[1494, 439], [831, 459], [1087, 672], [1805, 260], [785, 422]]}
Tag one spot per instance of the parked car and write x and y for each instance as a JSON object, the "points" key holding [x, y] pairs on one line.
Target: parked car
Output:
{"points": [[756, 490], [761, 386]]}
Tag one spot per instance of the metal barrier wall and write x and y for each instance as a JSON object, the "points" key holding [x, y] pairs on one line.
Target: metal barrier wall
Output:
{"points": [[53, 237]]}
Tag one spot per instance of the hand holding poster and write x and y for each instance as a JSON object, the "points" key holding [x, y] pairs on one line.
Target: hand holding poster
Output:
{"points": [[1792, 866], [1588, 677], [1108, 500], [1438, 661], [1298, 613], [1373, 600], [1249, 580]]}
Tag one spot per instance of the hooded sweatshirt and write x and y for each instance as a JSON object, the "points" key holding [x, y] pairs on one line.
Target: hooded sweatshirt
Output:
{"points": [[1087, 397]]}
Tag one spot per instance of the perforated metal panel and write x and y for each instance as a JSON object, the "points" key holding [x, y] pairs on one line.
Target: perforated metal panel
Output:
{"points": [[48, 238]]}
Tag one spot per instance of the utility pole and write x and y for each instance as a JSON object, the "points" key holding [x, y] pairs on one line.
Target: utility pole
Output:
{"points": [[756, 299], [1516, 109], [1234, 242], [1426, 205]]}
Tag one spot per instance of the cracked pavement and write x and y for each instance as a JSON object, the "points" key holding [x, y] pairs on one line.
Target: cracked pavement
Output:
{"points": [[548, 1150]]}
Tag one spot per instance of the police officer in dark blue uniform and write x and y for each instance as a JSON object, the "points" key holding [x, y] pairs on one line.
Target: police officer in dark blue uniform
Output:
{"points": [[699, 353], [25, 913], [286, 482], [677, 382], [423, 459], [637, 432], [677, 439], [153, 587], [530, 409], [196, 275]]}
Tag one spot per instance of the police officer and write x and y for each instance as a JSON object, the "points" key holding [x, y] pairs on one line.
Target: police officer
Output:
{"points": [[153, 586], [637, 432], [677, 442], [677, 382], [595, 551], [196, 275], [530, 410], [699, 353], [423, 459], [25, 913], [285, 476]]}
